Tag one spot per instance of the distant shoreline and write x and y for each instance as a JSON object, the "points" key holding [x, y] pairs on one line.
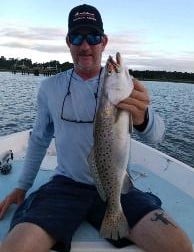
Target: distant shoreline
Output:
{"points": [[170, 80], [140, 78]]}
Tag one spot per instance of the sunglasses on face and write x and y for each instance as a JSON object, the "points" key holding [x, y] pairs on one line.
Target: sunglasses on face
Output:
{"points": [[92, 39]]}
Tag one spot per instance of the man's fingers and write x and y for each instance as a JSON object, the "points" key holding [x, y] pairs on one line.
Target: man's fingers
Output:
{"points": [[140, 92], [140, 96], [138, 85], [4, 207], [137, 100], [132, 103], [16, 196], [126, 106]]}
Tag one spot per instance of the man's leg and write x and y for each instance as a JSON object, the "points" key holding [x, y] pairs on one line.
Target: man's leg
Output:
{"points": [[156, 231], [56, 211], [27, 237], [150, 227]]}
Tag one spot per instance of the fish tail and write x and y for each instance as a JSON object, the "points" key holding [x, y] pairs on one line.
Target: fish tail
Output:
{"points": [[114, 225]]}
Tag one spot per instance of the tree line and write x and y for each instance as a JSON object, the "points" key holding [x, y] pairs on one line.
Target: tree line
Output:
{"points": [[163, 75], [11, 63]]}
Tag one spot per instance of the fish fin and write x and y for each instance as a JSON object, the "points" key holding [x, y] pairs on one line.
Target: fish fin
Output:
{"points": [[127, 184], [114, 225], [95, 175]]}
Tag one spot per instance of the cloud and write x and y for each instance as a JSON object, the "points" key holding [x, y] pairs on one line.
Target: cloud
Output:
{"points": [[162, 63], [141, 59], [138, 52], [15, 45], [51, 48], [33, 33], [49, 40], [38, 47]]}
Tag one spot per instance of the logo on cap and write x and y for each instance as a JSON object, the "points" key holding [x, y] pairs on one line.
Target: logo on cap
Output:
{"points": [[84, 15]]}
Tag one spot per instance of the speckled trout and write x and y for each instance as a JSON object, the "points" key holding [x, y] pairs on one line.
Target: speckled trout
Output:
{"points": [[109, 157]]}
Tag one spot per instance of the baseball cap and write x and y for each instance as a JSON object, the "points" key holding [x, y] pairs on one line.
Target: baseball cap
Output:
{"points": [[85, 16]]}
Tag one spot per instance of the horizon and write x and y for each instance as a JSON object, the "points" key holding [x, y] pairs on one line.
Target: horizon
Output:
{"points": [[153, 70], [150, 35]]}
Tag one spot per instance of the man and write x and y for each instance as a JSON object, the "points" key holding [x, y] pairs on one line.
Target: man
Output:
{"points": [[66, 109]]}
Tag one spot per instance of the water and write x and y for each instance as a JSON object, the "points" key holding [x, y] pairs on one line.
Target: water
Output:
{"points": [[174, 102], [17, 101]]}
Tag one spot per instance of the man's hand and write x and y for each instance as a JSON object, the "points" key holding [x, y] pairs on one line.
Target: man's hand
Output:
{"points": [[137, 103], [16, 196]]}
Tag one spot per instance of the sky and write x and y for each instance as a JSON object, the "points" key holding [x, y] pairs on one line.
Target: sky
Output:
{"points": [[149, 34]]}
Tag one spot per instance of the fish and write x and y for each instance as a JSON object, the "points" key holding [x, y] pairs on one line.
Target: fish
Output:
{"points": [[109, 157]]}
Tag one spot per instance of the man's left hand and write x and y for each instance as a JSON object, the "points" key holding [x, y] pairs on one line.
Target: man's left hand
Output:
{"points": [[137, 103]]}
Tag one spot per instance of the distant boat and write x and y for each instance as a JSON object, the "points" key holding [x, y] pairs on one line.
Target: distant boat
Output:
{"points": [[152, 170]]}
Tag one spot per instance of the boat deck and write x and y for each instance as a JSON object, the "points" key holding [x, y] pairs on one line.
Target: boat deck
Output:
{"points": [[175, 202]]}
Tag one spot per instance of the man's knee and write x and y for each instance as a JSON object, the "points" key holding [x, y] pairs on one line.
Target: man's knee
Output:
{"points": [[158, 232], [27, 237], [183, 244]]}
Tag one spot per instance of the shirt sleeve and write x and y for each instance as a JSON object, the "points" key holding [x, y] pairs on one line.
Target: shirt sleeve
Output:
{"points": [[155, 130], [38, 142]]}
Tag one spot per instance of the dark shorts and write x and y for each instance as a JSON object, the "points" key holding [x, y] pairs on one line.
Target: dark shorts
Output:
{"points": [[60, 206]]}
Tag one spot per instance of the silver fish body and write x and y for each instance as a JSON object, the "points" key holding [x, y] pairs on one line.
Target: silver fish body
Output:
{"points": [[110, 155]]}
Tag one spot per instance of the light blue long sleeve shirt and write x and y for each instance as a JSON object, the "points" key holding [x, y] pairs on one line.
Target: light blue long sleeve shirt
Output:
{"points": [[73, 140]]}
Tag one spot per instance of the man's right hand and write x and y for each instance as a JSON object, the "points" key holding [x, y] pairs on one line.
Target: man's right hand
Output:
{"points": [[15, 197]]}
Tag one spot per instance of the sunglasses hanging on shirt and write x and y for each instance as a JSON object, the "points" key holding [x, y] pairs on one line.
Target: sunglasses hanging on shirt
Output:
{"points": [[68, 95]]}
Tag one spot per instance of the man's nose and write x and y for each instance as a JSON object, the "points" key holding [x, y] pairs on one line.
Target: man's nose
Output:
{"points": [[85, 44]]}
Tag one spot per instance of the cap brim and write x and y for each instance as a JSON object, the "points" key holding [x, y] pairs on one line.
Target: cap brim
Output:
{"points": [[92, 27]]}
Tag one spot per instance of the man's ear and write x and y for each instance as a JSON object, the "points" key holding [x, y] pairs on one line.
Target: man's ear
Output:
{"points": [[104, 41], [67, 41]]}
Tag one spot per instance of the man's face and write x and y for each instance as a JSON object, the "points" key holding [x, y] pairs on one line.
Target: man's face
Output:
{"points": [[86, 55]]}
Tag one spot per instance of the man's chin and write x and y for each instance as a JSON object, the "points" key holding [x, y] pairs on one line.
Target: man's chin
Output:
{"points": [[85, 68]]}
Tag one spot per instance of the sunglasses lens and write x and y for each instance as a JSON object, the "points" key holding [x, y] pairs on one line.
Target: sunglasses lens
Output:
{"points": [[76, 39], [92, 39]]}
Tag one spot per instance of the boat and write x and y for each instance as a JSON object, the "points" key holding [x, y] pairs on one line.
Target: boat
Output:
{"points": [[152, 170]]}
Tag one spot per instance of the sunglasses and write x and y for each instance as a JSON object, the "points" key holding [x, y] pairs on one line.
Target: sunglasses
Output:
{"points": [[67, 103], [91, 38]]}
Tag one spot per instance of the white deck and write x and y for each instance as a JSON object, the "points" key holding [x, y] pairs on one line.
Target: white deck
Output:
{"points": [[171, 180], [176, 202]]}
